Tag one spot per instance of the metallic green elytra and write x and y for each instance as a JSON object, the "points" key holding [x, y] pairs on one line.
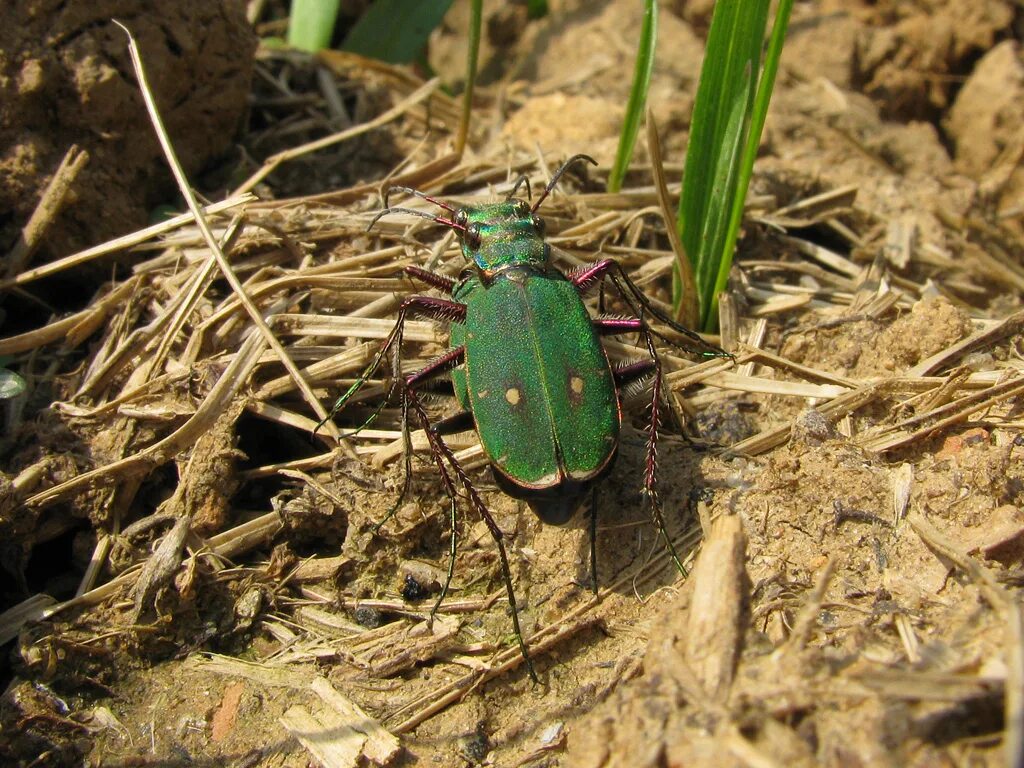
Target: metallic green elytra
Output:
{"points": [[535, 377]]}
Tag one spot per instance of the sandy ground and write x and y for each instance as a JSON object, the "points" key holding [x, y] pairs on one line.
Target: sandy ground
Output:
{"points": [[847, 500]]}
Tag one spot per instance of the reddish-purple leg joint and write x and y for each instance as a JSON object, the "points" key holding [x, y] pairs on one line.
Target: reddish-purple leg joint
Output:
{"points": [[435, 308], [586, 276], [443, 283], [612, 326]]}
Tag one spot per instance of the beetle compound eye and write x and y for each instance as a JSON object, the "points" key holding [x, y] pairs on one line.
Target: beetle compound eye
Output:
{"points": [[460, 217], [538, 224], [473, 236]]}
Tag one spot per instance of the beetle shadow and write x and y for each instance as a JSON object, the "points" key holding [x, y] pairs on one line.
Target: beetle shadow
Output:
{"points": [[629, 546]]}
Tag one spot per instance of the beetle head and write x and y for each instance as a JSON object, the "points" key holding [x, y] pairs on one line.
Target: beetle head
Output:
{"points": [[504, 234], [494, 235]]}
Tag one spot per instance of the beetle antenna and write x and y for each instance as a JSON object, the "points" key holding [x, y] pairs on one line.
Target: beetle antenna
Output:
{"points": [[413, 212], [523, 179], [420, 195], [558, 174]]}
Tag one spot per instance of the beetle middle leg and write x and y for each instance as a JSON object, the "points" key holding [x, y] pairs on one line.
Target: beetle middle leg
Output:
{"points": [[586, 277], [426, 306]]}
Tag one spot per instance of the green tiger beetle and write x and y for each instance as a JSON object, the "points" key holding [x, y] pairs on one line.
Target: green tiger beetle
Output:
{"points": [[527, 366]]}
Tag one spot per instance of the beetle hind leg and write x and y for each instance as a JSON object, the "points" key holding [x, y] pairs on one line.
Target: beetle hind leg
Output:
{"points": [[650, 488], [632, 373], [442, 454]]}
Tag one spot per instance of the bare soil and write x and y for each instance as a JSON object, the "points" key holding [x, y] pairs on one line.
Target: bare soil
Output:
{"points": [[847, 498], [66, 80]]}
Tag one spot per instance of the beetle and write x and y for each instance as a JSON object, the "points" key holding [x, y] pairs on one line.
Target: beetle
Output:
{"points": [[528, 369]]}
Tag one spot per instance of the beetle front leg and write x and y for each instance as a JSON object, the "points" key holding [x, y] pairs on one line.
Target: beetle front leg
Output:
{"points": [[443, 283]]}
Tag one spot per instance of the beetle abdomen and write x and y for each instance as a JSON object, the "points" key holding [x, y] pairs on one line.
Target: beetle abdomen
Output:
{"points": [[537, 380]]}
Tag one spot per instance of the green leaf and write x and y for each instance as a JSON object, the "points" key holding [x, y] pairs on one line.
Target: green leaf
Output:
{"points": [[396, 31], [728, 116], [762, 98], [636, 106], [311, 24]]}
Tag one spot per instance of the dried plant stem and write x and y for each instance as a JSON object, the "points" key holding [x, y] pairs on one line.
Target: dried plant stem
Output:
{"points": [[121, 243], [49, 207], [420, 94], [186, 190]]}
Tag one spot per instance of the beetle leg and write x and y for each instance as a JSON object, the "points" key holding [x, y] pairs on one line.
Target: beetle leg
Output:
{"points": [[584, 278], [632, 372], [428, 306], [651, 463], [449, 489], [443, 283], [613, 326], [439, 448], [459, 422], [450, 359], [453, 518]]}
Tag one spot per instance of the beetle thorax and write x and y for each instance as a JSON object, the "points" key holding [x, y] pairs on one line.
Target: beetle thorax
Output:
{"points": [[501, 235]]}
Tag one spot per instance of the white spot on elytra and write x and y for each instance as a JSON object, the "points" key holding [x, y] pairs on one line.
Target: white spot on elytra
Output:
{"points": [[512, 395], [576, 383]]}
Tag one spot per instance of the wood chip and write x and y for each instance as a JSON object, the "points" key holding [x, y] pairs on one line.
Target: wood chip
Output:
{"points": [[714, 630], [380, 746], [326, 736]]}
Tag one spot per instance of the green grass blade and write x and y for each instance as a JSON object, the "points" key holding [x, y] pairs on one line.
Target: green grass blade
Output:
{"points": [[762, 98], [396, 31], [723, 184], [311, 24], [637, 96], [475, 23], [725, 97]]}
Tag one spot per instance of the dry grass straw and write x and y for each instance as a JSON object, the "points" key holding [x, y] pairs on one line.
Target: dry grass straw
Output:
{"points": [[310, 296]]}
